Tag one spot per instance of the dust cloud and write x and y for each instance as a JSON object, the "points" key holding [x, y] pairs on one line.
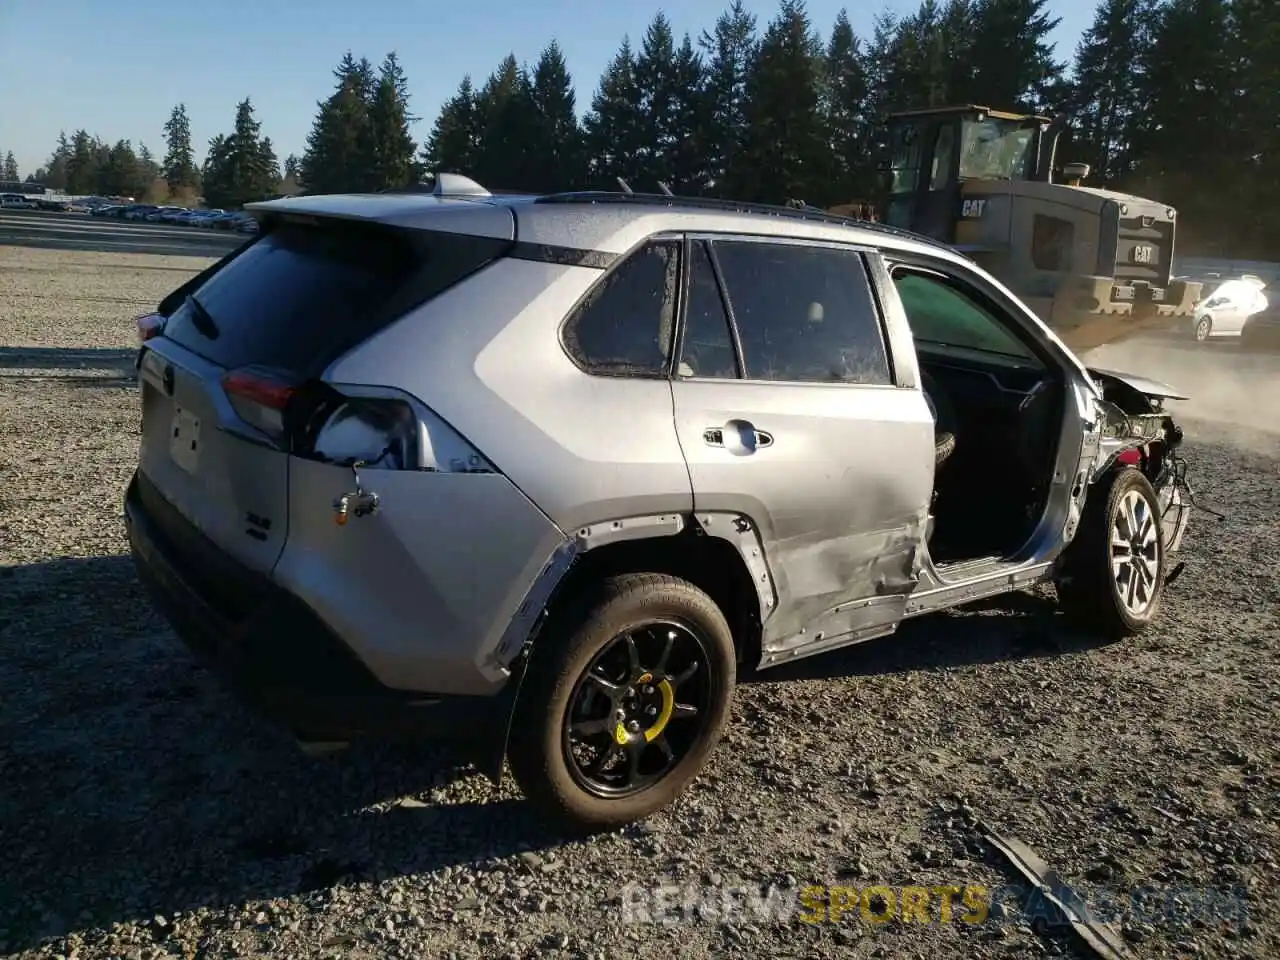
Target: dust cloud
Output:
{"points": [[1234, 395]]}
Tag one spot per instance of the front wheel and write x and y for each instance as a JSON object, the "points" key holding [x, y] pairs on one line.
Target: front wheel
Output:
{"points": [[626, 695], [1204, 326], [1112, 577]]}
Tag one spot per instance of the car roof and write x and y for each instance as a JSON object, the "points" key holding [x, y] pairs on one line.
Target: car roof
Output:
{"points": [[609, 222]]}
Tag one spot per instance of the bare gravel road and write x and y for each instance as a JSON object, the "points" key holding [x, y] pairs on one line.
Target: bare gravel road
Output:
{"points": [[144, 814]]}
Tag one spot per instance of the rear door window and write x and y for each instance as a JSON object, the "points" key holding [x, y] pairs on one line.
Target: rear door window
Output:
{"points": [[804, 313], [300, 296], [708, 344]]}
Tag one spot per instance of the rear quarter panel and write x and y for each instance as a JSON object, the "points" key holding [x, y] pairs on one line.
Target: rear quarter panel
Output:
{"points": [[486, 356]]}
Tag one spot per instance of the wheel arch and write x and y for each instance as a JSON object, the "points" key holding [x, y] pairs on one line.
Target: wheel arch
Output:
{"points": [[719, 553]]}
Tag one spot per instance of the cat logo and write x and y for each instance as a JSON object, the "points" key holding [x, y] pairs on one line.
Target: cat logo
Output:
{"points": [[972, 209]]}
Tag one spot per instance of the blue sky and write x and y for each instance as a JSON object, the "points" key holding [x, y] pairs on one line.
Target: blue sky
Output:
{"points": [[116, 67]]}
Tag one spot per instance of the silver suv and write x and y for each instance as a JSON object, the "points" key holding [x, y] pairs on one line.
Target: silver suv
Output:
{"points": [[543, 473]]}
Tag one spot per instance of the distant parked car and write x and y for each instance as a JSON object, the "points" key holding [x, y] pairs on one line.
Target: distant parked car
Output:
{"points": [[16, 201], [164, 214], [140, 211], [1223, 313], [205, 218]]}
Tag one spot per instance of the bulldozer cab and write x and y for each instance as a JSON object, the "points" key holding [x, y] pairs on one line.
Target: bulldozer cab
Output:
{"points": [[933, 152]]}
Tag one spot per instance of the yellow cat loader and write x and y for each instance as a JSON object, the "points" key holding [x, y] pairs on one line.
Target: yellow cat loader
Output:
{"points": [[1094, 264]]}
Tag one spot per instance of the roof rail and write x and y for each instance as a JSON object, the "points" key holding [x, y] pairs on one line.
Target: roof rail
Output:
{"points": [[796, 211]]}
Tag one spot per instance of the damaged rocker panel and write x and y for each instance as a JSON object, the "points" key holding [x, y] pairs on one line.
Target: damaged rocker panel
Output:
{"points": [[876, 592]]}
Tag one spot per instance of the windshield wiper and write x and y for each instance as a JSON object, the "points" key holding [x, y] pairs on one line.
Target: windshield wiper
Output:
{"points": [[202, 319]]}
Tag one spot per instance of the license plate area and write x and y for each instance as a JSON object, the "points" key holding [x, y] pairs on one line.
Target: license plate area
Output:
{"points": [[184, 439]]}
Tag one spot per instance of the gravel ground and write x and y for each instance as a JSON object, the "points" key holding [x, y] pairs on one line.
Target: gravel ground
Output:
{"points": [[144, 814]]}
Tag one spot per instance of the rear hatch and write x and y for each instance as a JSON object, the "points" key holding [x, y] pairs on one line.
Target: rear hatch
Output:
{"points": [[238, 346]]}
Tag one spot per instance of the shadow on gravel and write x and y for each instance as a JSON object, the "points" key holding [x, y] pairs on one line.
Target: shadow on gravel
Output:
{"points": [[1017, 626], [66, 358], [134, 787], [69, 367]]}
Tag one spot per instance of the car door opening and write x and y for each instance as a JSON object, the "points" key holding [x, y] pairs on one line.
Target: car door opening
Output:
{"points": [[1000, 403]]}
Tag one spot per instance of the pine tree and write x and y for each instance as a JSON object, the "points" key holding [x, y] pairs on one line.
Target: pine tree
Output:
{"points": [[119, 174], [148, 174], [1107, 96], [615, 125], [215, 174], [844, 104], [786, 152], [179, 159], [1187, 136], [337, 158], [507, 121], [1013, 63], [556, 160], [291, 183], [55, 177], [82, 164], [10, 167], [691, 122], [241, 167], [392, 149], [655, 78], [1255, 43], [879, 62], [730, 49], [454, 143]]}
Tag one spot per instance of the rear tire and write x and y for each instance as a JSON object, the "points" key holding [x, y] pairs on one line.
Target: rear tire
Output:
{"points": [[1112, 573], [656, 703]]}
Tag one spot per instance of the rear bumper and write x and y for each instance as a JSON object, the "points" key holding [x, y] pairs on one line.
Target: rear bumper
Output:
{"points": [[272, 650]]}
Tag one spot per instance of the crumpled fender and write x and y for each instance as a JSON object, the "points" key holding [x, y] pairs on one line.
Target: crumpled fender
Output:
{"points": [[1152, 389]]}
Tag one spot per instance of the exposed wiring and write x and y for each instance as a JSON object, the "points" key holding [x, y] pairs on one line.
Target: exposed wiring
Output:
{"points": [[1180, 479]]}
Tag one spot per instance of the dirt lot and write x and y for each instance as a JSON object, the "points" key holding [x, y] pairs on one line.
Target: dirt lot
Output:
{"points": [[144, 814]]}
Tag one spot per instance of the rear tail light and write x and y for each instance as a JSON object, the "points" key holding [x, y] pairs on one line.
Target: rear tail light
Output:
{"points": [[389, 431], [260, 398], [149, 325]]}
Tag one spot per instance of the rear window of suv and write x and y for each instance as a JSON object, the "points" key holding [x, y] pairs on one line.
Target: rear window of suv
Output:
{"points": [[298, 297]]}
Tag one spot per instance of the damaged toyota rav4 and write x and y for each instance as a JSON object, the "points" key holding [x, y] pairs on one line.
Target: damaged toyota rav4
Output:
{"points": [[542, 474]]}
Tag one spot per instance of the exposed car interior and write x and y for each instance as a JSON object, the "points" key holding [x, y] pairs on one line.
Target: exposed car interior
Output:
{"points": [[1001, 404]]}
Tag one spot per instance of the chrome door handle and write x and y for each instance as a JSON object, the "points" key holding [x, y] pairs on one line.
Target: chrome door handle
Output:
{"points": [[738, 437]]}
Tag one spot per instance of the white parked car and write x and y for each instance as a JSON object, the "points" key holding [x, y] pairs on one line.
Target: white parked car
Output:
{"points": [[1224, 311], [16, 201]]}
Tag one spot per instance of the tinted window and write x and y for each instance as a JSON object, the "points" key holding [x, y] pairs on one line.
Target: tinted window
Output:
{"points": [[624, 326], [803, 313], [943, 157], [299, 297], [940, 314], [708, 348]]}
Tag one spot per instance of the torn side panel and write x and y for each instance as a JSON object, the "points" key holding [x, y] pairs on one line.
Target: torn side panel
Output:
{"points": [[739, 530], [841, 589]]}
